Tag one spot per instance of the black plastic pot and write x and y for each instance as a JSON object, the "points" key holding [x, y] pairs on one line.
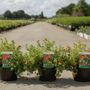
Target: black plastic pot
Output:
{"points": [[48, 75], [72, 29], [53, 23], [7, 75], [83, 75]]}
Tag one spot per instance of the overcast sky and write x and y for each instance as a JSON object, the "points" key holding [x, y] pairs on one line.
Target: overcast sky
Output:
{"points": [[49, 7]]}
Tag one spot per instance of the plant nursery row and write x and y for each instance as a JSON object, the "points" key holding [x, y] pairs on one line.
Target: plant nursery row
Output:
{"points": [[48, 59], [71, 22], [10, 24]]}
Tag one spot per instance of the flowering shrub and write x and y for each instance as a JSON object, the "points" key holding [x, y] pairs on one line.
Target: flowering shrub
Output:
{"points": [[34, 60], [37, 59], [74, 57], [58, 58], [17, 64]]}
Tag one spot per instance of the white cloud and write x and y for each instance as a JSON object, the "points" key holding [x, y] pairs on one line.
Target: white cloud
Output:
{"points": [[49, 7]]}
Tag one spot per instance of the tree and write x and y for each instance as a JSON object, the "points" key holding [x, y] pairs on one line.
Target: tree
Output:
{"points": [[1, 16], [70, 8], [20, 14], [89, 10], [8, 14], [41, 16], [26, 16], [66, 10], [14, 15], [82, 6]]}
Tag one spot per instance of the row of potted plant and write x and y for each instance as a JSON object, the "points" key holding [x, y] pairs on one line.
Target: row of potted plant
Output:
{"points": [[71, 22], [10, 24], [41, 58], [83, 32]]}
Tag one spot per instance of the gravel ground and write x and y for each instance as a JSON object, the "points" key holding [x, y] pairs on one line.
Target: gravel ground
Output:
{"points": [[30, 34], [65, 82]]}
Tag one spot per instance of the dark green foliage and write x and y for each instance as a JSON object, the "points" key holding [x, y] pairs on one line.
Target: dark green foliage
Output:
{"points": [[8, 14], [20, 14], [66, 10], [82, 6], [72, 9]]}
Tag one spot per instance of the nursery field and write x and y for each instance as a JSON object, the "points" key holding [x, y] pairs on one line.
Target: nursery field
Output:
{"points": [[29, 35], [11, 24], [71, 22]]}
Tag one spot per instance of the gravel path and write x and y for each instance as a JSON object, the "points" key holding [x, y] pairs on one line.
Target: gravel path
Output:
{"points": [[38, 31]]}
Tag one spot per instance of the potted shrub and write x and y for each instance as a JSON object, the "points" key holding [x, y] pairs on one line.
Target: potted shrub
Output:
{"points": [[10, 68], [33, 60], [46, 59], [77, 58], [49, 73]]}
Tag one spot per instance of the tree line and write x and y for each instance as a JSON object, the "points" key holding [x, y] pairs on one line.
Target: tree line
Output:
{"points": [[20, 14], [80, 9]]}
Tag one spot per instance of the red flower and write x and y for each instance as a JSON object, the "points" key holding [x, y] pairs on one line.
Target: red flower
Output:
{"points": [[88, 50], [18, 45], [67, 46], [73, 74], [8, 56], [82, 59], [45, 56], [3, 56], [84, 43], [26, 62], [46, 59], [74, 63], [80, 56], [60, 63], [49, 56], [85, 56], [25, 78], [45, 38]]}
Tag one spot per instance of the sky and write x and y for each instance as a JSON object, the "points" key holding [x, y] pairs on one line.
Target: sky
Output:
{"points": [[35, 7]]}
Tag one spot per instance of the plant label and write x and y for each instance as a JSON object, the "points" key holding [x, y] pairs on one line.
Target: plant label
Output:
{"points": [[84, 59], [48, 59], [7, 59]]}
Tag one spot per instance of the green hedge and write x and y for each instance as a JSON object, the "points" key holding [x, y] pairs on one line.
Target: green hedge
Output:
{"points": [[73, 21]]}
